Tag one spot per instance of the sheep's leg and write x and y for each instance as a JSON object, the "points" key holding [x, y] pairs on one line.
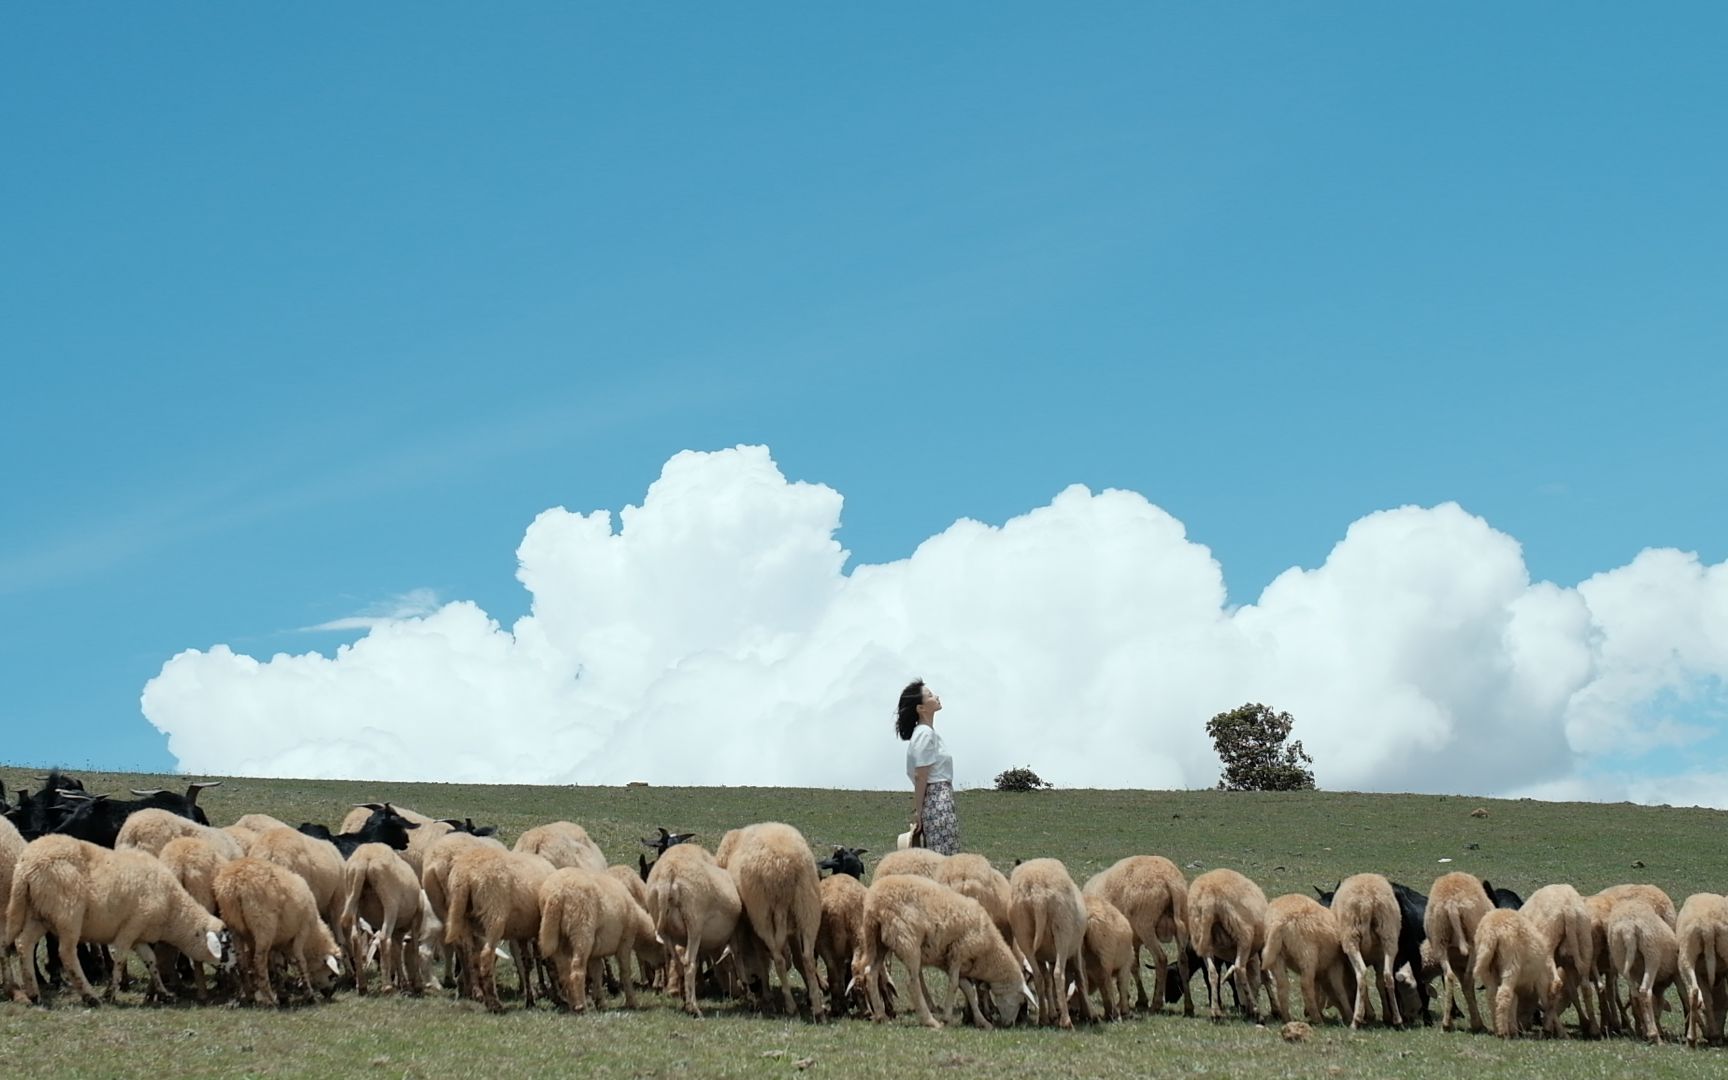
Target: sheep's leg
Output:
{"points": [[1311, 1006], [147, 956], [1467, 986], [28, 988], [261, 976], [73, 969], [971, 993], [914, 962], [953, 991], [1247, 972], [806, 959], [486, 976], [1141, 1001], [1353, 952], [1214, 989], [692, 949], [1389, 991], [1079, 959]]}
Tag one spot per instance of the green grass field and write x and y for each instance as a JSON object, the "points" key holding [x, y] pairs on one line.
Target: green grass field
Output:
{"points": [[1286, 842]]}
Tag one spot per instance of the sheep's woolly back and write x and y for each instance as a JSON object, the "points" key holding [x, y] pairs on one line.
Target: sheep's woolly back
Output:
{"points": [[776, 875], [435, 871], [269, 905], [1456, 904], [842, 918], [563, 844], [586, 916], [150, 829], [628, 877], [972, 875], [11, 847], [688, 889], [194, 862], [1366, 910], [380, 887], [1509, 953], [258, 823], [1151, 892], [1640, 940], [317, 862], [1562, 920], [1226, 915], [1659, 902], [920, 861], [1047, 910]]}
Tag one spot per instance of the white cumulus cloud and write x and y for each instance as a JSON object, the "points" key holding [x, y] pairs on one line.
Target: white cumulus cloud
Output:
{"points": [[712, 635]]}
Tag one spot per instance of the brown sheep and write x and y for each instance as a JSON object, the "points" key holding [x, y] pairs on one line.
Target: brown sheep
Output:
{"points": [[584, 918], [150, 829], [495, 897], [11, 846], [318, 862], [1153, 895], [1513, 963], [257, 823], [920, 861], [194, 862], [1108, 952], [271, 909], [380, 888], [1702, 930], [123, 899], [1612, 1010], [1562, 919], [1048, 914], [837, 938], [1302, 937], [1227, 920], [920, 921], [434, 874], [562, 843], [695, 908], [1644, 950], [776, 875], [1456, 904], [1368, 922]]}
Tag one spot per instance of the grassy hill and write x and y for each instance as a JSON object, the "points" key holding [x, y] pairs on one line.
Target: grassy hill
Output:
{"points": [[1286, 842]]}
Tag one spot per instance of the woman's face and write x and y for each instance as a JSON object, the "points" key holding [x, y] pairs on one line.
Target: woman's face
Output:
{"points": [[930, 705]]}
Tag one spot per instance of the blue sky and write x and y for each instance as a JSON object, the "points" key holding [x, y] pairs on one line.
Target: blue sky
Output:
{"points": [[306, 309]]}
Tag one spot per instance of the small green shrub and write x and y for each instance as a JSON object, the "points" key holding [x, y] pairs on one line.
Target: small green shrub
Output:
{"points": [[1023, 779]]}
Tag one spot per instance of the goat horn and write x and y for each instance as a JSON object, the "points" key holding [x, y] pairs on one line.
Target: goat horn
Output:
{"points": [[202, 784], [369, 805], [146, 794], [455, 822]]}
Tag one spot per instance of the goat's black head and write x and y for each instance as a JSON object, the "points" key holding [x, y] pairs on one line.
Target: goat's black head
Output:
{"points": [[845, 860]]}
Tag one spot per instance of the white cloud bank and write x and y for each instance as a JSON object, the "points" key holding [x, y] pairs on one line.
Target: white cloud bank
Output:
{"points": [[713, 638]]}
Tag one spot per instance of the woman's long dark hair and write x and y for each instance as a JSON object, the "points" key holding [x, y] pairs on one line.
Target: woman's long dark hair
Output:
{"points": [[906, 718]]}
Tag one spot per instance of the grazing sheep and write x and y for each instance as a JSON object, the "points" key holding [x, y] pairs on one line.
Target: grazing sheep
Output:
{"points": [[126, 900], [1702, 930], [318, 862], [379, 887], [776, 876], [1513, 963], [695, 908], [1153, 895], [972, 875], [1612, 1010], [562, 843], [1368, 924], [1302, 936], [271, 909], [258, 823], [194, 862], [1108, 953], [495, 897], [434, 874], [920, 861], [150, 830], [1227, 920], [922, 922], [837, 937], [1562, 920], [11, 846], [584, 918], [1048, 914], [1644, 950], [1456, 904]]}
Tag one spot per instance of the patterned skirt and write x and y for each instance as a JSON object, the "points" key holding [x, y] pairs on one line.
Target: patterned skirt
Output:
{"points": [[941, 823]]}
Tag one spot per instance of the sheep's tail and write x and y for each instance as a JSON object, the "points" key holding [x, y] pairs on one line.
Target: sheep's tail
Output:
{"points": [[1040, 929], [456, 921], [1272, 956], [1718, 939], [17, 909], [662, 896], [551, 930], [1485, 961], [354, 883], [1179, 914], [1461, 940], [869, 942]]}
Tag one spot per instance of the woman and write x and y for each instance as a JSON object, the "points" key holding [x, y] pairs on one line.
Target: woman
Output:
{"points": [[929, 767]]}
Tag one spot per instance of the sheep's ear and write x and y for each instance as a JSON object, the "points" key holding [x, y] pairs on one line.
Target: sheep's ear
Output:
{"points": [[213, 942], [1031, 998], [335, 968], [862, 851], [410, 824]]}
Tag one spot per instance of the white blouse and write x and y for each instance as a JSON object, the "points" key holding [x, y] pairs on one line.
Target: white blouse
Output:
{"points": [[926, 748]]}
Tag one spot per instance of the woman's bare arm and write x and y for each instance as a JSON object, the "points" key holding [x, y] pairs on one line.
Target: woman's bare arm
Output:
{"points": [[920, 778]]}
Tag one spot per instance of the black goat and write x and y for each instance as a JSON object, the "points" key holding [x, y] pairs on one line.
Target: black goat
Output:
{"points": [[845, 860], [98, 818], [1502, 898], [466, 825], [659, 845], [385, 826]]}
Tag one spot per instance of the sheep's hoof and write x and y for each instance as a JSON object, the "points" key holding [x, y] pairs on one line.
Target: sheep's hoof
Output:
{"points": [[933, 1024]]}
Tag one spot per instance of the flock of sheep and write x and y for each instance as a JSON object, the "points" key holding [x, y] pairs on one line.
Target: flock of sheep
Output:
{"points": [[394, 893]]}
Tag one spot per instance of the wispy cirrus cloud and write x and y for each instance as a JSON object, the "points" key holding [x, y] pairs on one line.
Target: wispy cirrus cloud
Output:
{"points": [[413, 604]]}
